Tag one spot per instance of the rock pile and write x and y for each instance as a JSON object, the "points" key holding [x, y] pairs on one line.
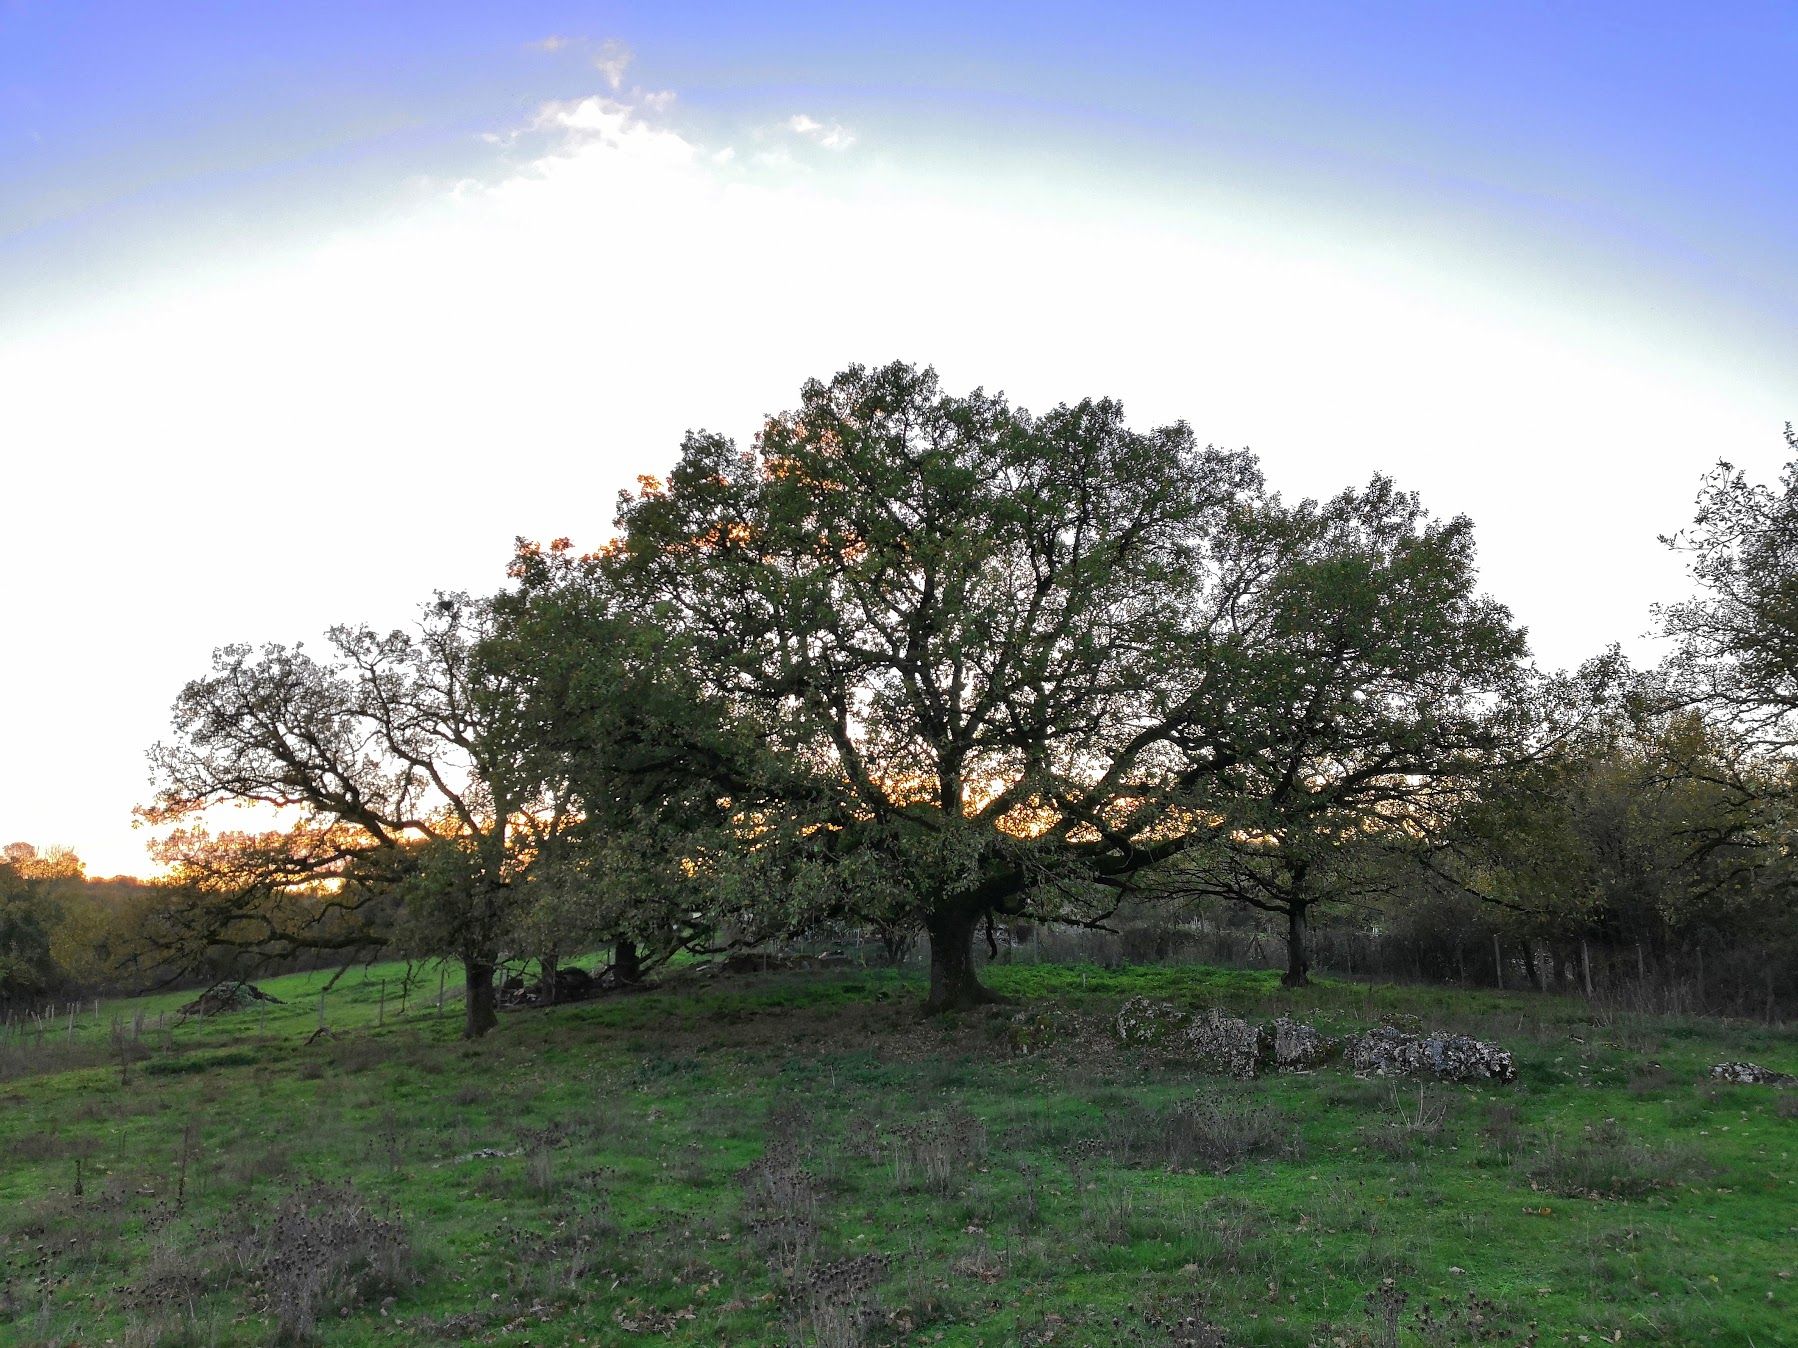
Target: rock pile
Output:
{"points": [[1227, 1045], [1390, 1052], [1219, 1042], [1751, 1074], [570, 984], [1299, 1047], [222, 998], [1149, 1023]]}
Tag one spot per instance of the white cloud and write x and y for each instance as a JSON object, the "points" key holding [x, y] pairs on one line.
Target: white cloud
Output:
{"points": [[834, 136], [779, 160], [613, 60], [552, 43], [599, 130]]}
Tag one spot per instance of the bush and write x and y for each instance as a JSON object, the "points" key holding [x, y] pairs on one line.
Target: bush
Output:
{"points": [[930, 1154], [1408, 1125], [1208, 1132], [1503, 1131], [323, 1248], [1606, 1162]]}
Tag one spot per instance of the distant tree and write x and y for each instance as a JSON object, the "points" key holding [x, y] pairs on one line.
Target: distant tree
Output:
{"points": [[1735, 661], [1735, 642], [100, 930], [402, 766], [1637, 841], [34, 890]]}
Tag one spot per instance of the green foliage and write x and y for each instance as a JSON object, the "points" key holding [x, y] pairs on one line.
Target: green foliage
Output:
{"points": [[406, 762], [655, 771], [28, 916], [969, 629], [1736, 640], [40, 895]]}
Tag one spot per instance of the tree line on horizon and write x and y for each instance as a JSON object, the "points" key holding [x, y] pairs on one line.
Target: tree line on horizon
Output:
{"points": [[926, 663]]}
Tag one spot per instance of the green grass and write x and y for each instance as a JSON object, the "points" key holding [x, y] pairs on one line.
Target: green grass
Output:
{"points": [[799, 1158]]}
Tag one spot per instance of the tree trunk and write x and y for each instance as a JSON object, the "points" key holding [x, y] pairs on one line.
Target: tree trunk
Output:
{"points": [[895, 943], [1529, 965], [479, 1000], [627, 964], [548, 966], [1298, 963], [954, 986]]}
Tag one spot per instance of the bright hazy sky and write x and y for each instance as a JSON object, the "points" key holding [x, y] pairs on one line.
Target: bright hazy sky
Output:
{"points": [[308, 309]]}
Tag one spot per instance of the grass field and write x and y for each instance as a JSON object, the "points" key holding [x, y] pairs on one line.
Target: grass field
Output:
{"points": [[800, 1159]]}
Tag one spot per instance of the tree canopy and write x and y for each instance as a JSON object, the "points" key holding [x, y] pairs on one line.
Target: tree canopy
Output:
{"points": [[400, 760], [911, 659], [1035, 656]]}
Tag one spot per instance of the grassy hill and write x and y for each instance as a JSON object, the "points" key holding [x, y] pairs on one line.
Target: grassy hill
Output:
{"points": [[799, 1159]]}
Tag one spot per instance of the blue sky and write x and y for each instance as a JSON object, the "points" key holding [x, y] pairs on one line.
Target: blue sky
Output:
{"points": [[1655, 143], [306, 309]]}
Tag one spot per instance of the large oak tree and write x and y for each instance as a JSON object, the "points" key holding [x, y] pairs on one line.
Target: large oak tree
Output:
{"points": [[1032, 657]]}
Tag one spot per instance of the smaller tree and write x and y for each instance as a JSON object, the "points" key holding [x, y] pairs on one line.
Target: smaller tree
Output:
{"points": [[404, 765], [1371, 692], [1647, 838]]}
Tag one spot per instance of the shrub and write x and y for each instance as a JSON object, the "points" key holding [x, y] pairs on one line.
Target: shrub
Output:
{"points": [[1649, 1079], [1473, 1320], [780, 1207], [1409, 1125], [929, 1154], [1606, 1162], [325, 1247], [1503, 1131], [1208, 1132]]}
